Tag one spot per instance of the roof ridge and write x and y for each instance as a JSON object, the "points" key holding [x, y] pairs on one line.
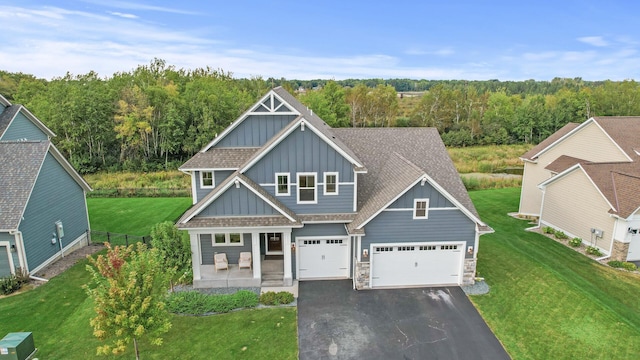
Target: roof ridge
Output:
{"points": [[416, 167]]}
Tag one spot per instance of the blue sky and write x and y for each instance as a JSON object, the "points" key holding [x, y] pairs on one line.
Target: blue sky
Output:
{"points": [[473, 40]]}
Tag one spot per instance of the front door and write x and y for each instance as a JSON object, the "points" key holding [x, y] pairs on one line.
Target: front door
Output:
{"points": [[274, 243]]}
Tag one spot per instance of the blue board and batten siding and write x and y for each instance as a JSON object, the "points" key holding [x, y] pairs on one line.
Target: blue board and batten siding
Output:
{"points": [[238, 202], [56, 196], [207, 250], [255, 130], [218, 177], [444, 222], [304, 151], [23, 128]]}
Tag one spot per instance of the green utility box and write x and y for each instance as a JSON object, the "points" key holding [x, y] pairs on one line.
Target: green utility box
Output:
{"points": [[17, 346]]}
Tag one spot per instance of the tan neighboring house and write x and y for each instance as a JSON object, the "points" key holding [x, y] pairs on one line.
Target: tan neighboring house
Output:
{"points": [[585, 180]]}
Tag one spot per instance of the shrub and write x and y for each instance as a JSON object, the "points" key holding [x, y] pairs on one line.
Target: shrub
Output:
{"points": [[560, 235], [197, 303], [592, 250], [629, 266], [273, 298], [615, 263], [12, 283], [575, 242], [548, 230]]}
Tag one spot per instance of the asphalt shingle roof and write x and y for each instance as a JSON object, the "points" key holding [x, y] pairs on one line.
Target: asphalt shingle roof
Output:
{"points": [[618, 183], [530, 155], [395, 158], [563, 162], [21, 162], [222, 158], [624, 131], [7, 115]]}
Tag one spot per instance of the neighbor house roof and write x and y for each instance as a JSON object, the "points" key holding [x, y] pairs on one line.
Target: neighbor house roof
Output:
{"points": [[10, 113], [624, 131], [396, 159], [532, 154], [20, 165], [563, 162]]}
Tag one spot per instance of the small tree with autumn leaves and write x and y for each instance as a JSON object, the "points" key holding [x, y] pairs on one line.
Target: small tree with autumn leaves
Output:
{"points": [[128, 287]]}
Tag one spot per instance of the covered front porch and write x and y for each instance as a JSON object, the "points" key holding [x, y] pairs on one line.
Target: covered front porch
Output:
{"points": [[270, 258]]}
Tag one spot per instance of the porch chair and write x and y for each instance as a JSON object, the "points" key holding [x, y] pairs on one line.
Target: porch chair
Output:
{"points": [[245, 260], [220, 261]]}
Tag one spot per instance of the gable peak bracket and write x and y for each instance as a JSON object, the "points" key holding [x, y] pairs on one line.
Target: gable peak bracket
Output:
{"points": [[302, 125], [423, 181], [237, 182]]}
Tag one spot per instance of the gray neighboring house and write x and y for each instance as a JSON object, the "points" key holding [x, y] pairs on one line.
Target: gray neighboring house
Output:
{"points": [[382, 206], [43, 211]]}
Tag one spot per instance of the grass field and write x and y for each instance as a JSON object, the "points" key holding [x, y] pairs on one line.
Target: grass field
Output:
{"points": [[133, 216], [546, 300]]}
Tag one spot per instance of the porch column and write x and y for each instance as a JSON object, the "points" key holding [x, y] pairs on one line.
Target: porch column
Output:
{"points": [[286, 244], [196, 258], [255, 255]]}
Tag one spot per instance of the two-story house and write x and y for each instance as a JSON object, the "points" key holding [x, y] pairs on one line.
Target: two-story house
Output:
{"points": [[43, 211], [382, 206], [584, 180]]}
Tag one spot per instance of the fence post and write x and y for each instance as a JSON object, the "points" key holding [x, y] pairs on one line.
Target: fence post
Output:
{"points": [[108, 238], [126, 239]]}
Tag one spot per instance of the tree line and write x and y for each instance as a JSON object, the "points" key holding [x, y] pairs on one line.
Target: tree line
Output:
{"points": [[157, 116]]}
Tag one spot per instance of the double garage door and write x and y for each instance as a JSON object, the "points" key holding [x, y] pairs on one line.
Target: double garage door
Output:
{"points": [[419, 264], [326, 258]]}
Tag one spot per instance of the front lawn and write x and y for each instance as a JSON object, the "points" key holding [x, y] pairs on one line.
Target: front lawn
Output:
{"points": [[546, 300], [58, 312]]}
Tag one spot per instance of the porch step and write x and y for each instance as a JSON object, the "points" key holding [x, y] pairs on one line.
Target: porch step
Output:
{"points": [[272, 276], [272, 283]]}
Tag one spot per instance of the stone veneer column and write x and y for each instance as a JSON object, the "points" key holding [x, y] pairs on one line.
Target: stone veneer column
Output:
{"points": [[362, 275], [469, 275], [620, 251]]}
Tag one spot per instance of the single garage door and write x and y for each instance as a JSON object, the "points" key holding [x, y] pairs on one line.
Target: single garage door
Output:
{"points": [[323, 258], [634, 248], [422, 264]]}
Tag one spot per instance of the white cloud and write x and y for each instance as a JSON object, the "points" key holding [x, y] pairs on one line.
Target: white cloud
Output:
{"points": [[594, 41], [123, 15]]}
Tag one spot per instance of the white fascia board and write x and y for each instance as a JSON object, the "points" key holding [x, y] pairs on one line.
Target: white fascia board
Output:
{"points": [[4, 101], [185, 170], [391, 202], [613, 141], [544, 184], [455, 201], [291, 129], [68, 167], [225, 188], [244, 115], [37, 122]]}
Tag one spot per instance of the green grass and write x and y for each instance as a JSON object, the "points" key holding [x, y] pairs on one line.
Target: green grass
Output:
{"points": [[133, 216], [487, 159], [58, 312], [128, 180], [546, 300]]}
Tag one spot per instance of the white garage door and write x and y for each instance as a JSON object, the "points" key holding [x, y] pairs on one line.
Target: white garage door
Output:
{"points": [[416, 264], [634, 248], [323, 258]]}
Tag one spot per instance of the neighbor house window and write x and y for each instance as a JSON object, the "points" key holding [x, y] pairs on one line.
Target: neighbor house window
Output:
{"points": [[224, 239], [421, 209], [282, 184], [331, 183], [307, 188], [206, 179]]}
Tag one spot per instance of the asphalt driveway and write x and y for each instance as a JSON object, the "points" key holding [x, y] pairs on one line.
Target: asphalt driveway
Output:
{"points": [[337, 322]]}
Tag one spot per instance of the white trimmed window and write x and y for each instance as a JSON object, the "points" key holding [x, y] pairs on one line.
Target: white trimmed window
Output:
{"points": [[421, 209], [282, 184], [331, 183], [223, 239], [307, 190], [206, 179]]}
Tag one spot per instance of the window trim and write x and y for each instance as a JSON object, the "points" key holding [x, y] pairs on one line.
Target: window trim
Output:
{"points": [[330, 173], [213, 182], [426, 208], [315, 187], [227, 239], [288, 175]]}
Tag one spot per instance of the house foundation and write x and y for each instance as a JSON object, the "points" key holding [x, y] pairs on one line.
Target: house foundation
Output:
{"points": [[620, 251]]}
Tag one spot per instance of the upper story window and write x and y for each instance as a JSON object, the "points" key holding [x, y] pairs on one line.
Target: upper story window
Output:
{"points": [[307, 188], [206, 179], [421, 209], [331, 183], [282, 184]]}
